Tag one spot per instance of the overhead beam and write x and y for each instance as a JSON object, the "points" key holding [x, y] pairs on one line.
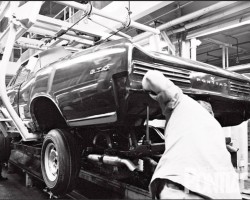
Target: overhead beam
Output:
{"points": [[242, 57], [242, 6], [168, 41], [41, 31], [111, 28], [30, 43], [4, 7], [79, 28], [95, 11], [219, 27], [236, 68], [224, 44], [25, 20], [55, 30], [184, 18], [137, 8], [140, 9]]}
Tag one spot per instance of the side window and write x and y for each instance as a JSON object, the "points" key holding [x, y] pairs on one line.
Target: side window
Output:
{"points": [[33, 66], [25, 70], [37, 66], [22, 75]]}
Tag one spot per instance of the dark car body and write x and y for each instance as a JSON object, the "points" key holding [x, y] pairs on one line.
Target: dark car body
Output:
{"points": [[102, 86]]}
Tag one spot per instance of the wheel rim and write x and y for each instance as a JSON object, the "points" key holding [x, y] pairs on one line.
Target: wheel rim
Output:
{"points": [[51, 162]]}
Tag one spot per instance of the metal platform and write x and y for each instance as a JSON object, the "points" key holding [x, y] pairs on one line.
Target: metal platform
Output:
{"points": [[124, 191]]}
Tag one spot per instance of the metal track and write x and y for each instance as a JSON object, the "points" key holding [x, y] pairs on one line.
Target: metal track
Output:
{"points": [[72, 195], [126, 191]]}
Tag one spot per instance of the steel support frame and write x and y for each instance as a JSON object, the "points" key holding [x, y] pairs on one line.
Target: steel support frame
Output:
{"points": [[225, 59], [193, 48], [219, 27], [95, 11], [4, 8], [185, 18]]}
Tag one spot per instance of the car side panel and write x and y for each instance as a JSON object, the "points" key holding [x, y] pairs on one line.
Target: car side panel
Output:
{"points": [[81, 86]]}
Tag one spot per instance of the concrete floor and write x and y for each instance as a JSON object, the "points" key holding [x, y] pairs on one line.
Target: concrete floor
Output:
{"points": [[14, 188]]}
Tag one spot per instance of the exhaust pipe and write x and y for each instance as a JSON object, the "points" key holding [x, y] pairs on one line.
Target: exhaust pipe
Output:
{"points": [[112, 160]]}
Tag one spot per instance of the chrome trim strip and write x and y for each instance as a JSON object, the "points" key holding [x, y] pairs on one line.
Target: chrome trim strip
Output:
{"points": [[240, 86], [238, 92], [240, 89], [172, 79], [95, 119], [166, 74], [162, 67]]}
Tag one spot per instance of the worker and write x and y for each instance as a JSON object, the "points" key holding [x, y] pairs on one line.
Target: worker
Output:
{"points": [[1, 177], [4, 153], [195, 163]]}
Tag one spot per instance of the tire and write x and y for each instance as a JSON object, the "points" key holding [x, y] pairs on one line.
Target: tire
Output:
{"points": [[60, 161], [5, 148]]}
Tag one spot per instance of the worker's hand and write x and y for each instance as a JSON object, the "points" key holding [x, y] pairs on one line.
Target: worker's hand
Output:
{"points": [[155, 81]]}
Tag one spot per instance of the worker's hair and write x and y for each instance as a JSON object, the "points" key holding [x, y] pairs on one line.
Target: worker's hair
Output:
{"points": [[207, 106]]}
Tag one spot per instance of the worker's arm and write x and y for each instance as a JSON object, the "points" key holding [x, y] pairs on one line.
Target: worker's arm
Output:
{"points": [[166, 92], [155, 81]]}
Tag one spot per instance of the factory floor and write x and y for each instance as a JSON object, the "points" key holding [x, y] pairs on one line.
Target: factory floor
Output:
{"points": [[14, 187]]}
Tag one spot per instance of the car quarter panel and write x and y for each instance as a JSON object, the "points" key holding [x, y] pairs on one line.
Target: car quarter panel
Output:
{"points": [[82, 85]]}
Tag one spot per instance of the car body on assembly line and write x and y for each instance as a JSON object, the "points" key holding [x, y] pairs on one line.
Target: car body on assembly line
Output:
{"points": [[89, 107]]}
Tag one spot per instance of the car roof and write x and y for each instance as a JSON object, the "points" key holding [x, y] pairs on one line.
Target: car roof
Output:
{"points": [[52, 55]]}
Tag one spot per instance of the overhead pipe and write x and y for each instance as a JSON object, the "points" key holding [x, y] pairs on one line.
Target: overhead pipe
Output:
{"points": [[224, 57], [4, 8], [232, 56], [227, 58], [166, 13], [235, 9], [237, 47], [44, 20], [220, 27], [112, 29], [211, 40], [219, 48], [185, 18], [92, 10], [240, 68]]}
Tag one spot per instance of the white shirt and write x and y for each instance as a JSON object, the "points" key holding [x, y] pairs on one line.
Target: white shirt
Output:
{"points": [[195, 151]]}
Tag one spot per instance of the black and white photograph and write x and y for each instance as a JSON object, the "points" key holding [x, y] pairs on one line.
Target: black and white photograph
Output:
{"points": [[125, 100]]}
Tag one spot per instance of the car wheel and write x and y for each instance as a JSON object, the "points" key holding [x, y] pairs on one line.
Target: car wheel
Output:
{"points": [[5, 148], [60, 161]]}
